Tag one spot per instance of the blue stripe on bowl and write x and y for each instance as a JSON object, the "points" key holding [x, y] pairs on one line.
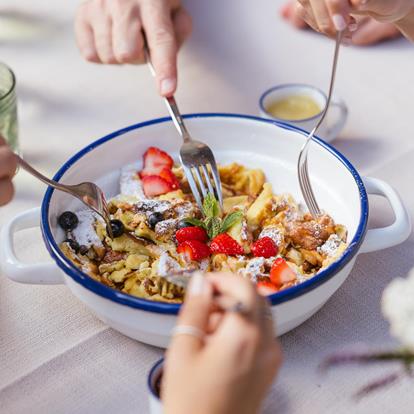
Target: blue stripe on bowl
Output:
{"points": [[166, 308]]}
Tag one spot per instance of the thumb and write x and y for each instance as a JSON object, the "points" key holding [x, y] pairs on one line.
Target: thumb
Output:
{"points": [[195, 313]]}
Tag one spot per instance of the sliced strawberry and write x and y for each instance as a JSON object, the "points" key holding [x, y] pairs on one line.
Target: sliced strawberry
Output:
{"points": [[266, 288], [169, 176], [194, 250], [155, 160], [264, 247], [191, 233], [223, 243], [281, 273], [154, 185]]}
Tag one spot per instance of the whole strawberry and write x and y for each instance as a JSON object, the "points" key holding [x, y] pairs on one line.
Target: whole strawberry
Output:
{"points": [[223, 243], [264, 247]]}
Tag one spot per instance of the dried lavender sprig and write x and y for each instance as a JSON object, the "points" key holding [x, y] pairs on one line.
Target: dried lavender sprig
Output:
{"points": [[348, 357], [377, 384]]}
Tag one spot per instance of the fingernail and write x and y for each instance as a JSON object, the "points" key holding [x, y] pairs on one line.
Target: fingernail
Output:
{"points": [[197, 284], [339, 22], [167, 86], [352, 27]]}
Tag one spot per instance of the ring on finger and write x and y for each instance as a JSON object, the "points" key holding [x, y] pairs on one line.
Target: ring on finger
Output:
{"points": [[188, 330]]}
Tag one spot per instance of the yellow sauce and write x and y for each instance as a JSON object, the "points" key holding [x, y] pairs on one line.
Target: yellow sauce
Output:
{"points": [[294, 108]]}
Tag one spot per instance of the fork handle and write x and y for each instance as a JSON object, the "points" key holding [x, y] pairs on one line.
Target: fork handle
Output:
{"points": [[177, 118], [28, 168], [170, 102]]}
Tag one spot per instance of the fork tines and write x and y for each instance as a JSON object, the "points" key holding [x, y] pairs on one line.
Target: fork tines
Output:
{"points": [[204, 179]]}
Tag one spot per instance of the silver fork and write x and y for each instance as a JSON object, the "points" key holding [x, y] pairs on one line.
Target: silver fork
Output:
{"points": [[196, 158], [89, 193], [302, 167]]}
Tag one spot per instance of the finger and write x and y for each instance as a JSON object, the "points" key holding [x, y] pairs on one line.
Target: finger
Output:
{"points": [[339, 12], [182, 25], [307, 16], [160, 35], [102, 31], [295, 17], [241, 290], [266, 320], [127, 38], [286, 9], [322, 17], [195, 313], [214, 322], [371, 32], [84, 35], [6, 191], [8, 163]]}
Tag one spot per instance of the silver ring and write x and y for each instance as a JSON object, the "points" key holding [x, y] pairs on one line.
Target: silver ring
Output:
{"points": [[240, 308], [188, 330]]}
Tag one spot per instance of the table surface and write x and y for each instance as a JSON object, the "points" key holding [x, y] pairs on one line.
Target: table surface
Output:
{"points": [[55, 356]]}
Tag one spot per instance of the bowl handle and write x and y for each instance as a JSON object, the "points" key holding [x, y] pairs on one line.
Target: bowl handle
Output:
{"points": [[397, 232], [36, 273]]}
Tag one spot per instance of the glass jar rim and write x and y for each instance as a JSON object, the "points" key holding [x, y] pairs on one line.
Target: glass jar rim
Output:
{"points": [[13, 82]]}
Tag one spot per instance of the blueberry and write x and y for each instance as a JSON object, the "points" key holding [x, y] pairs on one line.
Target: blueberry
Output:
{"points": [[83, 249], [155, 218], [74, 245], [117, 228], [68, 221], [182, 223]]}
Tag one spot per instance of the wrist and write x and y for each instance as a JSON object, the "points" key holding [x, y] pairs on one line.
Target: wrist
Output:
{"points": [[406, 25]]}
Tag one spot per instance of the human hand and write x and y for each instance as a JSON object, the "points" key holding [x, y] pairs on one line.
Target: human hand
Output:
{"points": [[369, 31], [8, 167], [329, 16], [233, 367], [112, 31]]}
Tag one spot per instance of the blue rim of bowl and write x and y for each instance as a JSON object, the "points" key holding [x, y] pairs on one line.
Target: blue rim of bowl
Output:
{"points": [[283, 86], [171, 308], [150, 376]]}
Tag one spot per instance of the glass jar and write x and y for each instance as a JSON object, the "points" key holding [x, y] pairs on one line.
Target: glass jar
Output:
{"points": [[8, 107]]}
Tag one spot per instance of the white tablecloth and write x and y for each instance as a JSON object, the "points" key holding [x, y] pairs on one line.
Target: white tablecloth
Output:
{"points": [[55, 356]]}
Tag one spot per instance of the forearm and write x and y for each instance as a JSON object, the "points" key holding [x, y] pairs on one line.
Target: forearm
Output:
{"points": [[406, 26]]}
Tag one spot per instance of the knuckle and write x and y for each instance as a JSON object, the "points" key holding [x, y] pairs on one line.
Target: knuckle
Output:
{"points": [[162, 36]]}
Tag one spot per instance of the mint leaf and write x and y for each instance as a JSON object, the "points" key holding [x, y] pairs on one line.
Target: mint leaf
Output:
{"points": [[213, 225], [211, 206], [230, 220], [195, 222]]}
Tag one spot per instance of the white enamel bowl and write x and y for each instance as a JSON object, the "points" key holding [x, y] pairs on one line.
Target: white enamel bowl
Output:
{"points": [[254, 142]]}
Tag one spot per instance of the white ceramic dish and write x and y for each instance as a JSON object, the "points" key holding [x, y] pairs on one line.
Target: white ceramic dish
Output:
{"points": [[252, 141]]}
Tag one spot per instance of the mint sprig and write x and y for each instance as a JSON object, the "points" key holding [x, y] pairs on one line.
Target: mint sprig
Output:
{"points": [[212, 222]]}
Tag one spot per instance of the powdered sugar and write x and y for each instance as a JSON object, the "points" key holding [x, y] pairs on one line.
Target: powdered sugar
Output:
{"points": [[130, 183], [254, 268], [274, 233], [166, 226], [85, 233], [152, 206], [330, 247], [167, 265]]}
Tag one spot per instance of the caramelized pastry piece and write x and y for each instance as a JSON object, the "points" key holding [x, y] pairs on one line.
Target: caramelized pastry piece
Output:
{"points": [[310, 233]]}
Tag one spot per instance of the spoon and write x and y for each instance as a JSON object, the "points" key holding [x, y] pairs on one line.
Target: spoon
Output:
{"points": [[89, 193]]}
